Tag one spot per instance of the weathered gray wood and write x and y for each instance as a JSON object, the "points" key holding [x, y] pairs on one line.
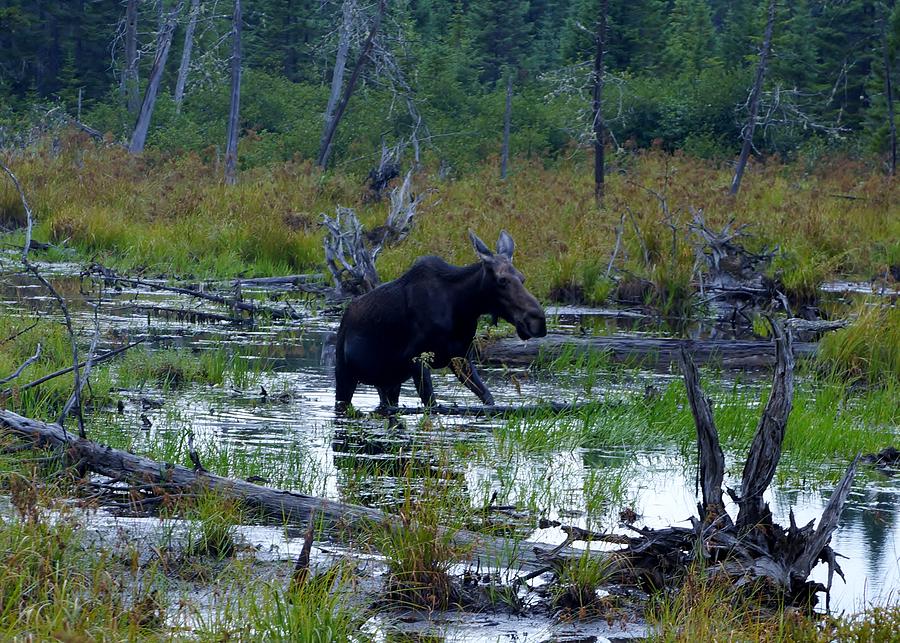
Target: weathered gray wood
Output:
{"points": [[597, 102], [712, 460], [348, 8], [661, 351], [231, 144], [331, 127], [493, 410], [185, 65], [163, 44], [507, 122], [236, 304], [765, 450], [63, 371], [278, 507], [755, 95]]}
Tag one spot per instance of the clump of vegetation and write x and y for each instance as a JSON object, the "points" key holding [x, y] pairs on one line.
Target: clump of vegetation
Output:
{"points": [[52, 583], [420, 550], [576, 590], [213, 520], [868, 350], [705, 609]]}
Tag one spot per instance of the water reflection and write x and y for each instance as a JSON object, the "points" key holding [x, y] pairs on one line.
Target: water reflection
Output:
{"points": [[381, 464]]}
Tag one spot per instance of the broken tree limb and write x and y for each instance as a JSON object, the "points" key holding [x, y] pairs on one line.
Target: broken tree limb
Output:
{"points": [[712, 461], [765, 451], [234, 303], [63, 371], [28, 362], [273, 505], [493, 409]]}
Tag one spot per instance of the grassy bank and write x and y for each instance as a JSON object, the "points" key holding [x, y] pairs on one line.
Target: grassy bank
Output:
{"points": [[173, 215]]}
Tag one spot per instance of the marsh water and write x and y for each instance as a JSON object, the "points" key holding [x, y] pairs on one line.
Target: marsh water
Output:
{"points": [[369, 461]]}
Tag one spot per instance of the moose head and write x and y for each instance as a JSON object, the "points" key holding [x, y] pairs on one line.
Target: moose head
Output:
{"points": [[505, 286]]}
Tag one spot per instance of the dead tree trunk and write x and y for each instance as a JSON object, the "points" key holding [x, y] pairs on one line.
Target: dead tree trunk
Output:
{"points": [[340, 64], [130, 71], [507, 117], [234, 112], [331, 127], [163, 44], [889, 93], [755, 94], [597, 104], [186, 55]]}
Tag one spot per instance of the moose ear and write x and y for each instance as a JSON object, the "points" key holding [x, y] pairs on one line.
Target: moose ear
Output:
{"points": [[484, 253], [505, 245]]}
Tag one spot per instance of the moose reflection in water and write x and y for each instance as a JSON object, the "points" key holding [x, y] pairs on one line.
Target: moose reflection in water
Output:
{"points": [[427, 319]]}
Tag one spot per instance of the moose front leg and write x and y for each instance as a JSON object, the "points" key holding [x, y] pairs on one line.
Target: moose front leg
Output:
{"points": [[424, 385], [464, 369]]}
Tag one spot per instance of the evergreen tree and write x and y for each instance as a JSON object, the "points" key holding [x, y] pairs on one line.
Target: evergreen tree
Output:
{"points": [[500, 34], [689, 38]]}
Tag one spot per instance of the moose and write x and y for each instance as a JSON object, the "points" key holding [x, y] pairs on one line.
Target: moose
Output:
{"points": [[427, 319]]}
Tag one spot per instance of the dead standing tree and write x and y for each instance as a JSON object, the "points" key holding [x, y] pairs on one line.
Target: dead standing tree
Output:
{"points": [[331, 124], [753, 101], [186, 50], [129, 82], [507, 118], [234, 111], [889, 89], [597, 102], [163, 44]]}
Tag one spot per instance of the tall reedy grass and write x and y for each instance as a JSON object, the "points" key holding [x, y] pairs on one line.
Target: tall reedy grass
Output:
{"points": [[421, 548], [53, 584], [171, 214], [868, 350], [707, 609]]}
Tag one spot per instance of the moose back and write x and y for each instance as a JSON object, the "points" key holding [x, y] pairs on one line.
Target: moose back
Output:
{"points": [[427, 319]]}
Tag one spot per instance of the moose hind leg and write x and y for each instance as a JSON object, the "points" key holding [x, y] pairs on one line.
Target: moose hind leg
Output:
{"points": [[345, 387], [424, 386], [465, 371]]}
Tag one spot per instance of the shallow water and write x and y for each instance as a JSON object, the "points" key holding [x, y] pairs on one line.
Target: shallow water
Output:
{"points": [[357, 461]]}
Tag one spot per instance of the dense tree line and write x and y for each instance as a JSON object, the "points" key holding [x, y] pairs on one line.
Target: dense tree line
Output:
{"points": [[679, 73]]}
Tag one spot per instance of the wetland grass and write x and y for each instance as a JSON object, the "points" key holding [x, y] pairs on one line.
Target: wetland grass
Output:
{"points": [[173, 368], [19, 338], [704, 609], [171, 215], [868, 350], [421, 549]]}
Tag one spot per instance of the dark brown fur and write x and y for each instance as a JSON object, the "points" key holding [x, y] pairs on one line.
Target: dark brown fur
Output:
{"points": [[427, 319]]}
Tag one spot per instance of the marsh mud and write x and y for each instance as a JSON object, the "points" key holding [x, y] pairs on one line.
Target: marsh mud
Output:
{"points": [[278, 423]]}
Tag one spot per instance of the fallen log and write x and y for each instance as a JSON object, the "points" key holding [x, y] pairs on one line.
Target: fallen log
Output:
{"points": [[493, 410], [232, 302], [658, 351], [272, 505], [189, 314]]}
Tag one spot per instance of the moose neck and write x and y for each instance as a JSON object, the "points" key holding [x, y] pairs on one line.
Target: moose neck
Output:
{"points": [[475, 295]]}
